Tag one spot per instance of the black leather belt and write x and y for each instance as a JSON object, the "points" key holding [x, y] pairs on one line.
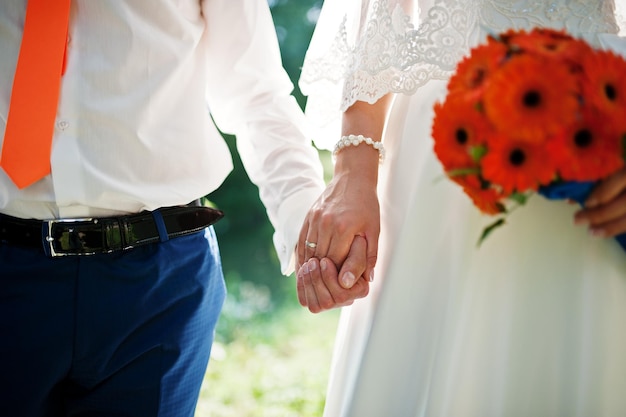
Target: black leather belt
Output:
{"points": [[89, 236]]}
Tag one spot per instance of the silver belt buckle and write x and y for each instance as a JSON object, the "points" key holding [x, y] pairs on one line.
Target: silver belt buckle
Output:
{"points": [[66, 239]]}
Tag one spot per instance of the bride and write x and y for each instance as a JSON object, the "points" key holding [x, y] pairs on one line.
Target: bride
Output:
{"points": [[532, 323]]}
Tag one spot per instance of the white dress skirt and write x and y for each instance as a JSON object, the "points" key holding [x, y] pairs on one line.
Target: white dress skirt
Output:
{"points": [[531, 324]]}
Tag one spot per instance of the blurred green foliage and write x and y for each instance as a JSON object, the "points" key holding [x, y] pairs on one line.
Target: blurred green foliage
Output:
{"points": [[294, 21], [255, 284]]}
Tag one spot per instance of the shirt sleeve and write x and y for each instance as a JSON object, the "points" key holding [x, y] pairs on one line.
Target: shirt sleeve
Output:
{"points": [[249, 94]]}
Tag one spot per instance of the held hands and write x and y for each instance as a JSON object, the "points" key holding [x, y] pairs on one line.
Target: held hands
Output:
{"points": [[341, 229], [343, 226], [605, 209], [347, 208]]}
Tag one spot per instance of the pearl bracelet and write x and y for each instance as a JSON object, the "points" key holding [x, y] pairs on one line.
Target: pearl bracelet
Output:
{"points": [[355, 140]]}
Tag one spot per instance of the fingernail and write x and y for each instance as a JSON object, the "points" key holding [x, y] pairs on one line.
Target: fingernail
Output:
{"points": [[311, 265], [592, 202], [305, 268], [372, 276], [581, 221], [324, 264], [597, 232], [347, 279]]}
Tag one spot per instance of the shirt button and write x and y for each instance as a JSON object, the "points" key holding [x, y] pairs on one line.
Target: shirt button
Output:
{"points": [[63, 124]]}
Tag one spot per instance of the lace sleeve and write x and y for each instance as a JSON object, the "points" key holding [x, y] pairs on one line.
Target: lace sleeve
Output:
{"points": [[364, 49]]}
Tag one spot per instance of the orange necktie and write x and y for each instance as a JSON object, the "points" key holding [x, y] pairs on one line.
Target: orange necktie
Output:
{"points": [[35, 95]]}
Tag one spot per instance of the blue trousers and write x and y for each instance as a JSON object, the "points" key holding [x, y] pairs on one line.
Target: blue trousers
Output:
{"points": [[121, 334]]}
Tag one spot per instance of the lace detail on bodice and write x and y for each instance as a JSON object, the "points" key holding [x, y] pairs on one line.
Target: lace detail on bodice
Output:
{"points": [[393, 54]]}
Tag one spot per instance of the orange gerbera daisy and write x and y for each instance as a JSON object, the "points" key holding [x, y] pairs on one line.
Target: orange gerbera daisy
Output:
{"points": [[604, 86], [517, 165], [525, 99], [589, 150], [457, 127], [473, 70], [550, 43], [486, 198]]}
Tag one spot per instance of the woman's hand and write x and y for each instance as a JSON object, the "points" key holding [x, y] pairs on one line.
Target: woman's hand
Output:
{"points": [[605, 209], [348, 207]]}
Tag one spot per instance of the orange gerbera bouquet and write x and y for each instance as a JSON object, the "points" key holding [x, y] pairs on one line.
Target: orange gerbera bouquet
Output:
{"points": [[527, 112]]}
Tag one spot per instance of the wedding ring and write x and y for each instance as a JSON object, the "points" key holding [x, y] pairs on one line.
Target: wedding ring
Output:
{"points": [[311, 245]]}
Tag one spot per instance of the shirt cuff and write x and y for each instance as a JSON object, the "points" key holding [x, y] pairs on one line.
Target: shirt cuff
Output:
{"points": [[292, 213]]}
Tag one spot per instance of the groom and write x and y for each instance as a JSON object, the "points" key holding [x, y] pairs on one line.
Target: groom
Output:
{"points": [[110, 279]]}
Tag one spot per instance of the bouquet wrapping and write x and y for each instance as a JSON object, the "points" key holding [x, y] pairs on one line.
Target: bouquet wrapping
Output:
{"points": [[531, 112]]}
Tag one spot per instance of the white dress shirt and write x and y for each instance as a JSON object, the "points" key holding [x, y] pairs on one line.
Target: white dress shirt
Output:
{"points": [[133, 131]]}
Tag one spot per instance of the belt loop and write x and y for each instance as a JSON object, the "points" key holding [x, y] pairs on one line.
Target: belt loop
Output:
{"points": [[160, 224], [46, 238]]}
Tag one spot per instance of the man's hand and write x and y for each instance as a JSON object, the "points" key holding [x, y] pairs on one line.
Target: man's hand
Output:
{"points": [[318, 285]]}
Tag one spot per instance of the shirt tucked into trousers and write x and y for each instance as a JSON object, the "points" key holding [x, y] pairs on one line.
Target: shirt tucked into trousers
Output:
{"points": [[128, 333]]}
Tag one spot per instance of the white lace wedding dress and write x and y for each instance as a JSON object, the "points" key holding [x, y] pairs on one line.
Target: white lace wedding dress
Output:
{"points": [[532, 323]]}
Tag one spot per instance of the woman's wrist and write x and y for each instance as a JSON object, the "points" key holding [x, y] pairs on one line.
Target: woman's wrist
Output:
{"points": [[356, 140], [360, 161]]}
